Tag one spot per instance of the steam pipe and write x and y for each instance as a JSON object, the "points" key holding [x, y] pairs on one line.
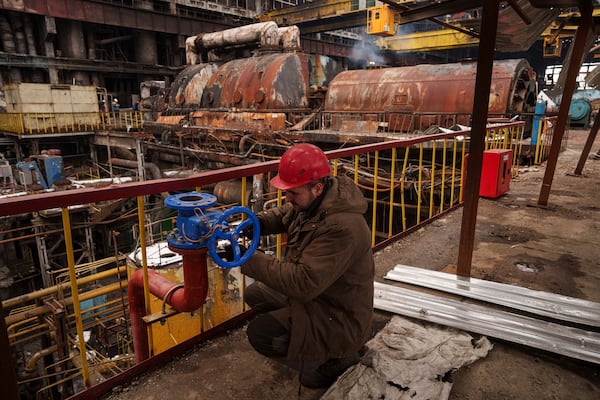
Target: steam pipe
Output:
{"points": [[184, 299], [32, 363]]}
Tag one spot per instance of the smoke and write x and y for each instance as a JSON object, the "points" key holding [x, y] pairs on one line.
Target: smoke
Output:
{"points": [[366, 54]]}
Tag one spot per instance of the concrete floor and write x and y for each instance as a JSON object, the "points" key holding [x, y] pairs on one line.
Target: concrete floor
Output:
{"points": [[561, 244]]}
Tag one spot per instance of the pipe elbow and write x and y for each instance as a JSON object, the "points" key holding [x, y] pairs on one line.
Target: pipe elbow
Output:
{"points": [[188, 298]]}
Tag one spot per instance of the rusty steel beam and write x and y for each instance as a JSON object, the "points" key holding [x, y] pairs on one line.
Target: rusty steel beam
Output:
{"points": [[126, 67], [524, 17], [483, 82], [59, 199], [588, 146], [436, 9], [116, 15], [43, 201], [575, 61], [314, 46]]}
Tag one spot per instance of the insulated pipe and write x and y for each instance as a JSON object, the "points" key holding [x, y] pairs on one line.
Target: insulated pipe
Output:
{"points": [[184, 299], [264, 34], [152, 168]]}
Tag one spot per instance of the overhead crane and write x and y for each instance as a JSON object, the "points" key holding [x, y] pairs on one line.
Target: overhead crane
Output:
{"points": [[385, 20], [319, 16], [328, 15]]}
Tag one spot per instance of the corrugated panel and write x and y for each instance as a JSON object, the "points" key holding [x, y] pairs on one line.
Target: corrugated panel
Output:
{"points": [[532, 301], [570, 342]]}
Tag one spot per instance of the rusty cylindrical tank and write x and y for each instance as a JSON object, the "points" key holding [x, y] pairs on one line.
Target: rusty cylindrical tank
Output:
{"points": [[428, 88], [268, 82], [187, 88]]}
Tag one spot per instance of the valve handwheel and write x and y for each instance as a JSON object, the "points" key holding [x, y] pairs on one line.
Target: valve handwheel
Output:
{"points": [[233, 234]]}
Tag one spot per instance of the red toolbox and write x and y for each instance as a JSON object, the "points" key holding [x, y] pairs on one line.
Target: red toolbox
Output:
{"points": [[495, 173]]}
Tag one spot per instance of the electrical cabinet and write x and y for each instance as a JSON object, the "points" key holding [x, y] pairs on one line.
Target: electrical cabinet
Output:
{"points": [[495, 173], [382, 21]]}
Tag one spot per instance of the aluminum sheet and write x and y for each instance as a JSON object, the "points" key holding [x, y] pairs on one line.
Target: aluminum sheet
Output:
{"points": [[532, 301], [556, 338]]}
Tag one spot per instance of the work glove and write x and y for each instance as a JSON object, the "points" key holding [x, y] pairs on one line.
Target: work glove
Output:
{"points": [[227, 252]]}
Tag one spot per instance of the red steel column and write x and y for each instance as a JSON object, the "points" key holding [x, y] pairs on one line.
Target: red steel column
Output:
{"points": [[483, 81], [563, 112]]}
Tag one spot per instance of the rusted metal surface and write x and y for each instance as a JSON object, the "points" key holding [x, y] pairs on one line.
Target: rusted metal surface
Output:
{"points": [[515, 33], [447, 88], [289, 37], [322, 69], [243, 121], [189, 85], [170, 119], [268, 82]]}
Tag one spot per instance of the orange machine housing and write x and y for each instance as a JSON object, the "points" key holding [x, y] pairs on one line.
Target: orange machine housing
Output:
{"points": [[495, 173]]}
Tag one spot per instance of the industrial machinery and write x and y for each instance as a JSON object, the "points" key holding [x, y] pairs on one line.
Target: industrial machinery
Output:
{"points": [[29, 172], [438, 90], [229, 108], [199, 230], [246, 95]]}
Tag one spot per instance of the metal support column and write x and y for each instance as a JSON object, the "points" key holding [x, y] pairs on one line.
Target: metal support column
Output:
{"points": [[563, 113], [588, 145], [43, 256], [139, 152], [483, 82]]}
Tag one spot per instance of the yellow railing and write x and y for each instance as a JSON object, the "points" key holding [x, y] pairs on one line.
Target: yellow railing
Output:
{"points": [[408, 183], [65, 123], [506, 136], [544, 139]]}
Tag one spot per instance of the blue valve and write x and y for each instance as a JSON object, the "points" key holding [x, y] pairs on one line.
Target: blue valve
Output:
{"points": [[232, 234], [199, 227]]}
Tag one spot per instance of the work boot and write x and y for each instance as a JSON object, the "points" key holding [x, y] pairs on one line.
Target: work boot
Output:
{"points": [[327, 373]]}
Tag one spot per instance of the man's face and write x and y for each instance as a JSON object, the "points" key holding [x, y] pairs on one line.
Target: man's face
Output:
{"points": [[303, 196]]}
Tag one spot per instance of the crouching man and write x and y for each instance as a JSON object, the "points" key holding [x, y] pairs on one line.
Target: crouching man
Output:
{"points": [[315, 305]]}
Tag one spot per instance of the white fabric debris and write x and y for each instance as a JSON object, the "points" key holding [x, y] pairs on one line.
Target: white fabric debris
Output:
{"points": [[407, 360]]}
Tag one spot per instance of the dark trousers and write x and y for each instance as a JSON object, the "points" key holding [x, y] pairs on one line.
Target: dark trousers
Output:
{"points": [[269, 333]]}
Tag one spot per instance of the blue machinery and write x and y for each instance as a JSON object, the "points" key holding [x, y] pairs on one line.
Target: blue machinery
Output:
{"points": [[198, 232], [199, 227]]}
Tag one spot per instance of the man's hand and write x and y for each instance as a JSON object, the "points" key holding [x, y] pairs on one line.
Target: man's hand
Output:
{"points": [[227, 253], [248, 232]]}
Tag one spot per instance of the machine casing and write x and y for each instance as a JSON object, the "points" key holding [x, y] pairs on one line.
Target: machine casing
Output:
{"points": [[495, 173]]}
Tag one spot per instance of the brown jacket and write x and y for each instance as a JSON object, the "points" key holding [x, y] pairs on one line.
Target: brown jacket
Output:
{"points": [[327, 272]]}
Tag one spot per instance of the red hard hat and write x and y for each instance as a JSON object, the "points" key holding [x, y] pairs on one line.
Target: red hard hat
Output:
{"points": [[300, 165]]}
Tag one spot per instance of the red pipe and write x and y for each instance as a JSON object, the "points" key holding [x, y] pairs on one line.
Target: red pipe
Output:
{"points": [[184, 299]]}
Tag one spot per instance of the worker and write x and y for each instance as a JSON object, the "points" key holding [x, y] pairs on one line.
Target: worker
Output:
{"points": [[315, 305], [116, 107]]}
